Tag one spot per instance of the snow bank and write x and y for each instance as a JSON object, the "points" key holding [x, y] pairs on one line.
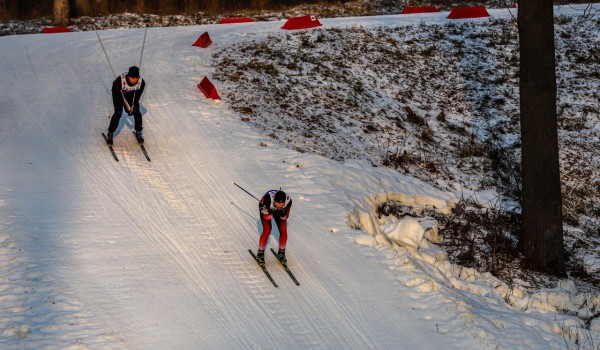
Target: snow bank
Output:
{"points": [[561, 311], [407, 191], [411, 232]]}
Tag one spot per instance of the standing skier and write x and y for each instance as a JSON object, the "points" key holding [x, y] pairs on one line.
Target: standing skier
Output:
{"points": [[273, 205], [127, 90]]}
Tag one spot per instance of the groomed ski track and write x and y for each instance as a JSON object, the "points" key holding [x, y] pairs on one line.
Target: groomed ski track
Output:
{"points": [[153, 255]]}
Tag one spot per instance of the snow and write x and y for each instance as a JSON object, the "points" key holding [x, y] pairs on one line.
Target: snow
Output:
{"points": [[98, 254]]}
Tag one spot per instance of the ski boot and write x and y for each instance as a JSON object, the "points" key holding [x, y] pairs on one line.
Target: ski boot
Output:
{"points": [[109, 138], [139, 137], [260, 257], [281, 256]]}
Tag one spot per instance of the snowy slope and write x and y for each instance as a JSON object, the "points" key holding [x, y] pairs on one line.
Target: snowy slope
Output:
{"points": [[98, 254]]}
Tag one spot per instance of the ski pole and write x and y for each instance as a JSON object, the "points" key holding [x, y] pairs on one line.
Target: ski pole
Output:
{"points": [[241, 188], [113, 70], [143, 44], [139, 66], [105, 54]]}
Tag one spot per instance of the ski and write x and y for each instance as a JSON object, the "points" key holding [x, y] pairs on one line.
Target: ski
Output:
{"points": [[287, 269], [110, 147], [263, 268], [145, 153], [143, 149]]}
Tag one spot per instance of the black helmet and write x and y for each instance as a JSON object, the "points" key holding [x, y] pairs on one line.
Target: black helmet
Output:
{"points": [[280, 197], [134, 72]]}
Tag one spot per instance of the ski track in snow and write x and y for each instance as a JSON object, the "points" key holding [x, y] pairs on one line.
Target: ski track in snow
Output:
{"points": [[153, 255]]}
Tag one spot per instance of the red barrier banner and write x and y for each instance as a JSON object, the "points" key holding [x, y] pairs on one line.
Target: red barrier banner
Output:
{"points": [[302, 22], [468, 12], [208, 89], [236, 20], [418, 9], [52, 30], [203, 41]]}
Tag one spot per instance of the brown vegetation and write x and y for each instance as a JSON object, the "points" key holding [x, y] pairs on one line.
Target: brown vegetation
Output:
{"points": [[25, 9]]}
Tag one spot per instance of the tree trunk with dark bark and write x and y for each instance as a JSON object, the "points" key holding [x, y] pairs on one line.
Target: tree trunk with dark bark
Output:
{"points": [[61, 12], [140, 6], [542, 238], [82, 8], [100, 7], [3, 10], [191, 6]]}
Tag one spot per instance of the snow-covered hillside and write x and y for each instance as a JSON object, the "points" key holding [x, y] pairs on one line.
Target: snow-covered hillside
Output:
{"points": [[439, 101], [98, 254]]}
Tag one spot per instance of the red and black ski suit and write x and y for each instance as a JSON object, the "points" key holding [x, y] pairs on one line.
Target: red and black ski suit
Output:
{"points": [[123, 89], [267, 212]]}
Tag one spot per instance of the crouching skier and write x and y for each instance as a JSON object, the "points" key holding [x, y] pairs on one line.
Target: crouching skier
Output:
{"points": [[127, 89], [273, 205]]}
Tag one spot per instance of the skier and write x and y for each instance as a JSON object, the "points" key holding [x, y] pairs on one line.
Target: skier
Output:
{"points": [[273, 205], [127, 90]]}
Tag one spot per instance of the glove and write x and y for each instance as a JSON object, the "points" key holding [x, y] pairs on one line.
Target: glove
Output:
{"points": [[263, 209]]}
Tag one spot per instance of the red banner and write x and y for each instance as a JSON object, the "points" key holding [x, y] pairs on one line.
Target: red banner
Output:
{"points": [[52, 30], [468, 12], [236, 20], [203, 41], [208, 89], [303, 22], [418, 9]]}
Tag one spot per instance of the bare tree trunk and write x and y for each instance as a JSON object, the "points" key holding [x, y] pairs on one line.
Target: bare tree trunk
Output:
{"points": [[82, 8], [24, 8], [161, 6], [140, 6], [211, 6], [542, 201], [100, 7], [191, 5], [61, 12], [258, 4], [3, 11]]}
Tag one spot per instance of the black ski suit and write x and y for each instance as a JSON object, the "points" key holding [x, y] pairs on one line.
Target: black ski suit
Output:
{"points": [[117, 98]]}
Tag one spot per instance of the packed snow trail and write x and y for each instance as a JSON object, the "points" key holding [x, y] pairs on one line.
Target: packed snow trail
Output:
{"points": [[153, 255]]}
